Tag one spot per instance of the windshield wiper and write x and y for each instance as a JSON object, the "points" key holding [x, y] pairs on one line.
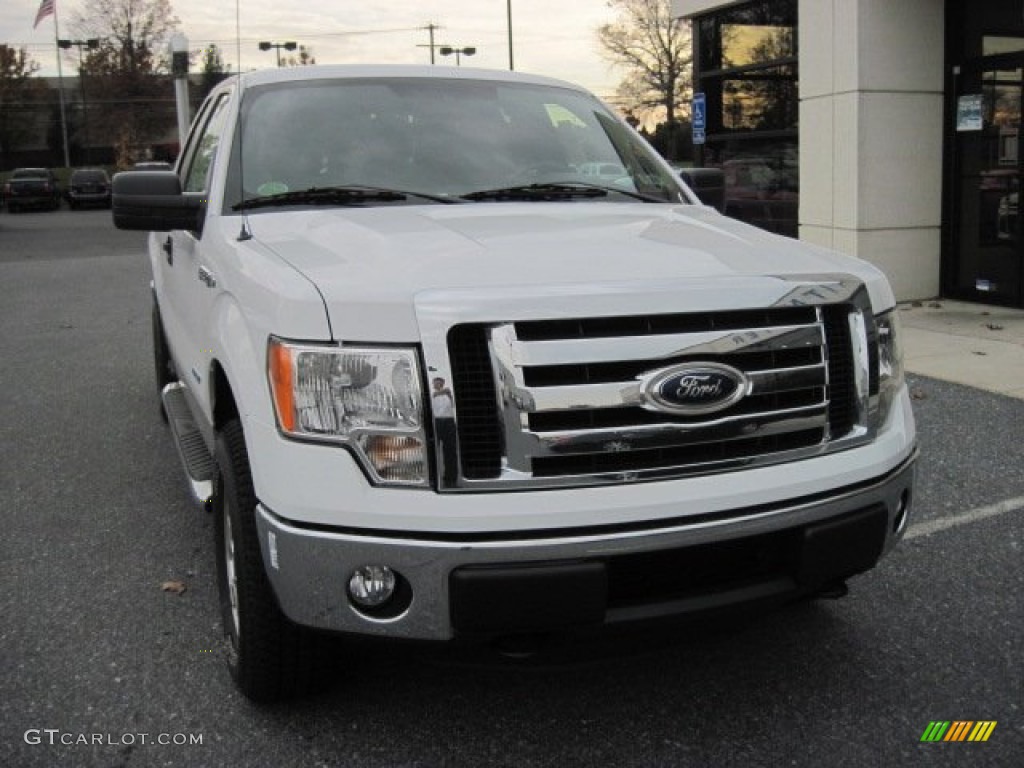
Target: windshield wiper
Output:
{"points": [[559, 191], [347, 195], [647, 198]]}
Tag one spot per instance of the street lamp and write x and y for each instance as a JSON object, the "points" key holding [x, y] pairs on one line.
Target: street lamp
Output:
{"points": [[178, 48], [289, 46], [92, 44], [447, 50]]}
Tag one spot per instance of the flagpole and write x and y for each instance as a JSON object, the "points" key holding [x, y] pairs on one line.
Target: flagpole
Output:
{"points": [[60, 88]]}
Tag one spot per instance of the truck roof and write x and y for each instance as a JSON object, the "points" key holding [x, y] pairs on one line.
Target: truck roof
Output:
{"points": [[355, 71]]}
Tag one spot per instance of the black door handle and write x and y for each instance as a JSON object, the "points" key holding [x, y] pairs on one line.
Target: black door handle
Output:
{"points": [[168, 247]]}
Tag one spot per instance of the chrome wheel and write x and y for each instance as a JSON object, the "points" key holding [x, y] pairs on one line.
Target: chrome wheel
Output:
{"points": [[230, 573]]}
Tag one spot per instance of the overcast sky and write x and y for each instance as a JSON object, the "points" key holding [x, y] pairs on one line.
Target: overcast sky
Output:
{"points": [[550, 37]]}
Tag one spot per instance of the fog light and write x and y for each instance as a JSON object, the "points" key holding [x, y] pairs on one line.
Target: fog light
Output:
{"points": [[371, 585]]}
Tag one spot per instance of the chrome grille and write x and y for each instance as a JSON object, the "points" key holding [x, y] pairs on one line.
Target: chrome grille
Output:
{"points": [[562, 403]]}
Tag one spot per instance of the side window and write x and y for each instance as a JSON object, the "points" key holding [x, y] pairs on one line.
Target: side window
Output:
{"points": [[204, 150]]}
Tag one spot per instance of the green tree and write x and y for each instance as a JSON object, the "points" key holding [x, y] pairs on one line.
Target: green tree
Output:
{"points": [[21, 95], [654, 51], [128, 71]]}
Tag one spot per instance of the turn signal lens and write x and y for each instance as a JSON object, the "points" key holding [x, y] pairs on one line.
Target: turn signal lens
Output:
{"points": [[279, 361]]}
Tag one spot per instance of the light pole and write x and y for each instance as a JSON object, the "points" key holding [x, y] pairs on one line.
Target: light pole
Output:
{"points": [[92, 44], [508, 7], [178, 48], [447, 50], [289, 46]]}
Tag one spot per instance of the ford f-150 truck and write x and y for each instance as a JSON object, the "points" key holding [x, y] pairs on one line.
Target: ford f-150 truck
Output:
{"points": [[435, 381]]}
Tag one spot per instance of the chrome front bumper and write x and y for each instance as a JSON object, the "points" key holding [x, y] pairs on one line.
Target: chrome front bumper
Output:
{"points": [[310, 567]]}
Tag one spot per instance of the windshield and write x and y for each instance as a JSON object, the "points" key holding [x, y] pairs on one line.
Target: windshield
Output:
{"points": [[456, 139], [31, 173]]}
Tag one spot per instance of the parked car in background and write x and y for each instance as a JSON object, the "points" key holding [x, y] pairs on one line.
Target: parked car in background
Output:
{"points": [[152, 165], [603, 172], [762, 192], [32, 188], [89, 186]]}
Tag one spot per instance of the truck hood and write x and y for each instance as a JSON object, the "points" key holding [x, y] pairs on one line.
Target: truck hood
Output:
{"points": [[373, 266]]}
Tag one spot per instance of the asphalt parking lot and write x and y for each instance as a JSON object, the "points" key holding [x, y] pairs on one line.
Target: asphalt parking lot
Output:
{"points": [[100, 665]]}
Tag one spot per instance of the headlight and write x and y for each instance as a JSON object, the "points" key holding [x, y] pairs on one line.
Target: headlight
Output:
{"points": [[367, 398], [890, 361]]}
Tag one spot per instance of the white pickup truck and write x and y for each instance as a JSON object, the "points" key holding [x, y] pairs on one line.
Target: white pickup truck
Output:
{"points": [[437, 382]]}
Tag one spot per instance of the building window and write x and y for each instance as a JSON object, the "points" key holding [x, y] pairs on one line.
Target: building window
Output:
{"points": [[746, 67]]}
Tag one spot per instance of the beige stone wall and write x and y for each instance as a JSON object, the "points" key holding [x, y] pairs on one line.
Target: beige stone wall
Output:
{"points": [[871, 100]]}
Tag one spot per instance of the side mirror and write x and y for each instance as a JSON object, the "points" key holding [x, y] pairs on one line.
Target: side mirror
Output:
{"points": [[152, 201], [708, 184]]}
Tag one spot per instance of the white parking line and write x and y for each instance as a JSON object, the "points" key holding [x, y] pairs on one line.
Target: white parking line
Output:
{"points": [[973, 516]]}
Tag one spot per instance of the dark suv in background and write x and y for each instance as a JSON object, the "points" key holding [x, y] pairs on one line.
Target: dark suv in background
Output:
{"points": [[89, 186]]}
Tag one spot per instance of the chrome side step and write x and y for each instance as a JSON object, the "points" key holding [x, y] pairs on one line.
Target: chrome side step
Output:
{"points": [[199, 465]]}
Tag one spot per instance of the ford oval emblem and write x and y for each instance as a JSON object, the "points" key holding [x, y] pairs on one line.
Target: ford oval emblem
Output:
{"points": [[694, 388]]}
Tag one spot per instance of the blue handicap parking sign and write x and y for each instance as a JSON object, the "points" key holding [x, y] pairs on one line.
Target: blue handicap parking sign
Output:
{"points": [[699, 118], [699, 112]]}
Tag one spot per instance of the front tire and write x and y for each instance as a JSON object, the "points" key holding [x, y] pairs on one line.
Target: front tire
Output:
{"points": [[269, 657]]}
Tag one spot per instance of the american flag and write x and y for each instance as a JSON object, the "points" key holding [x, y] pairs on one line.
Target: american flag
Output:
{"points": [[46, 8]]}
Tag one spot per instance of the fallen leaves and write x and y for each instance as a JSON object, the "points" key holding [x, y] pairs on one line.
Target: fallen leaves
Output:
{"points": [[174, 587]]}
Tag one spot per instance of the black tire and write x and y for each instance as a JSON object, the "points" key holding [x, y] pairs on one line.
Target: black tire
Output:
{"points": [[162, 363], [269, 657]]}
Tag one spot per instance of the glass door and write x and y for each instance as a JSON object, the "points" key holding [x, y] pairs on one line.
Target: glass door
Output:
{"points": [[987, 237]]}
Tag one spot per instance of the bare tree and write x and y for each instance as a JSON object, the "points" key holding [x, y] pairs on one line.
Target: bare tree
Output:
{"points": [[212, 71], [654, 50], [305, 58], [127, 71], [20, 97]]}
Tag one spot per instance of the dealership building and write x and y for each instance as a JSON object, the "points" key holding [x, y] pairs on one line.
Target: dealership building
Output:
{"points": [[888, 129]]}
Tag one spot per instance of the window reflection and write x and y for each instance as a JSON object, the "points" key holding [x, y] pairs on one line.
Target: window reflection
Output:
{"points": [[762, 182], [1001, 92], [747, 69], [998, 193], [745, 44], [992, 45], [761, 101]]}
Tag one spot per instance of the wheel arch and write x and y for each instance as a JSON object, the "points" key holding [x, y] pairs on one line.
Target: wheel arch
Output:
{"points": [[222, 396]]}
